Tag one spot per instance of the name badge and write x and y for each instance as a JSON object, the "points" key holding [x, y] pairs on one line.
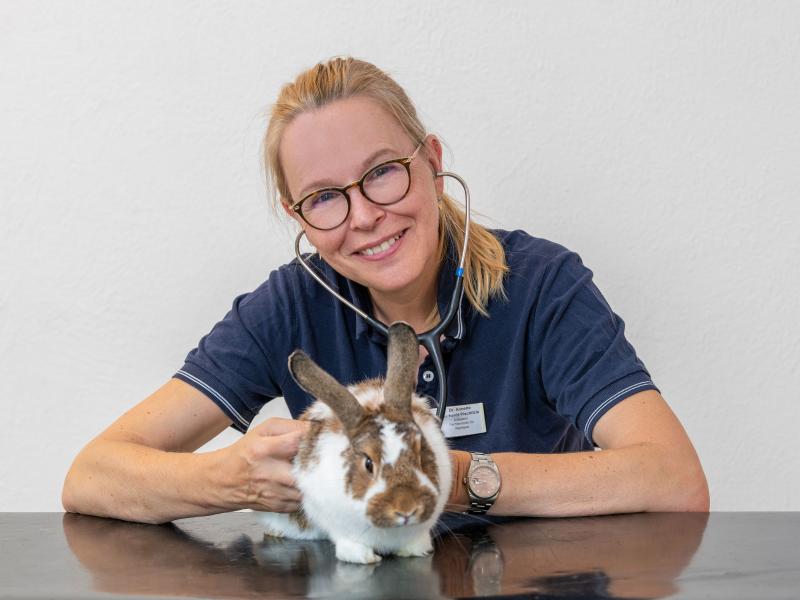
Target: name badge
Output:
{"points": [[464, 419]]}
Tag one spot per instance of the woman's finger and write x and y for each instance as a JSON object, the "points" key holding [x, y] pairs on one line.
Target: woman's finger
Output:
{"points": [[280, 426], [278, 498], [280, 447]]}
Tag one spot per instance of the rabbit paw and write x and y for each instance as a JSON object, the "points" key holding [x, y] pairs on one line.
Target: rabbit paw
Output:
{"points": [[422, 546], [354, 552]]}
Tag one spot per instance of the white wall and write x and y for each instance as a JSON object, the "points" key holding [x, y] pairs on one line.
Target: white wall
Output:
{"points": [[660, 140]]}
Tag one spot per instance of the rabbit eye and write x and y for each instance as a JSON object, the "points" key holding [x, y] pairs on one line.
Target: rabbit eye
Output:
{"points": [[368, 465]]}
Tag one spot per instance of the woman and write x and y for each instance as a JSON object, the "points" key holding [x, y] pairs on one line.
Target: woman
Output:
{"points": [[535, 350]]}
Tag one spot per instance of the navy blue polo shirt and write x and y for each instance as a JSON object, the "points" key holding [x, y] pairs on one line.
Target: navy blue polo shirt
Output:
{"points": [[547, 363]]}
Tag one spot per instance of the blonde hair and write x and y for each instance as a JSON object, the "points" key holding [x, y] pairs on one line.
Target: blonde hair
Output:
{"points": [[340, 78]]}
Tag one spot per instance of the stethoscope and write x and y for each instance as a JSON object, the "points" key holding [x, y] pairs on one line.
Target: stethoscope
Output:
{"points": [[431, 338]]}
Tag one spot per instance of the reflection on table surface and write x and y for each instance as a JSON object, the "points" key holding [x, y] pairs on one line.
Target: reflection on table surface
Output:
{"points": [[226, 556], [600, 556]]}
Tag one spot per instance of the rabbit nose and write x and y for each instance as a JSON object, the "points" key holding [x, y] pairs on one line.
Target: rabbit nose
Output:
{"points": [[405, 516]]}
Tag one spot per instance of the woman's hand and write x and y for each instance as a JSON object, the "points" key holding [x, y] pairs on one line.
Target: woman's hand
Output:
{"points": [[260, 466]]}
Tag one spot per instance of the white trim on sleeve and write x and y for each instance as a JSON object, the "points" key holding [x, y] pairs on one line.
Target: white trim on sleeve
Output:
{"points": [[216, 395], [606, 402]]}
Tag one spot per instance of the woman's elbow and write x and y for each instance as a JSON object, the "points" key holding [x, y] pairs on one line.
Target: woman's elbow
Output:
{"points": [[76, 491], [66, 500], [69, 491], [680, 483], [690, 492], [699, 500]]}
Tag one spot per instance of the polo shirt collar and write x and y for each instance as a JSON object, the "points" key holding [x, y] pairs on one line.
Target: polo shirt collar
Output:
{"points": [[446, 282]]}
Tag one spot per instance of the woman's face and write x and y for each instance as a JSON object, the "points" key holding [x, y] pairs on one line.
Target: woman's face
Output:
{"points": [[336, 145]]}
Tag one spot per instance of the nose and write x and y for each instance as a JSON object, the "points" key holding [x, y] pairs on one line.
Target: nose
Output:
{"points": [[363, 213], [404, 516]]}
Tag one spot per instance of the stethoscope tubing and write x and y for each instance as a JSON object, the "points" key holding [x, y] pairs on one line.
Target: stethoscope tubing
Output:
{"points": [[431, 339]]}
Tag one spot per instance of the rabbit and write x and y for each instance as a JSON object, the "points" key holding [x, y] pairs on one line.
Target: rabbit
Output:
{"points": [[374, 468]]}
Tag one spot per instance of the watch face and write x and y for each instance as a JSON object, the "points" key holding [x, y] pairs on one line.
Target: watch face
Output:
{"points": [[483, 481]]}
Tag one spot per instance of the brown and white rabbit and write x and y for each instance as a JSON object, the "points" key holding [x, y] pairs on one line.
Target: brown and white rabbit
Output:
{"points": [[374, 469]]}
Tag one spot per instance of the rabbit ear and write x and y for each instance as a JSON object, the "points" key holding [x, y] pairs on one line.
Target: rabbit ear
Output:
{"points": [[310, 376], [401, 373]]}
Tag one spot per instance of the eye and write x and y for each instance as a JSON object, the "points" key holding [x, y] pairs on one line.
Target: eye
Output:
{"points": [[320, 199], [368, 464], [383, 171], [379, 172]]}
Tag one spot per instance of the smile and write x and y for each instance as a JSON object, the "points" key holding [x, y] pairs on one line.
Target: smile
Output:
{"points": [[381, 247]]}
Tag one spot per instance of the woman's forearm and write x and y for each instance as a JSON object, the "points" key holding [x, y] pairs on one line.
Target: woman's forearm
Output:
{"points": [[124, 480], [127, 479], [640, 477]]}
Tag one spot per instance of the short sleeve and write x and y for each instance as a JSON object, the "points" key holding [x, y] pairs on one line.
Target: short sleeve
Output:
{"points": [[230, 364], [586, 363]]}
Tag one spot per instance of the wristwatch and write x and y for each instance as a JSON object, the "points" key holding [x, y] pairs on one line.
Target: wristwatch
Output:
{"points": [[483, 483]]}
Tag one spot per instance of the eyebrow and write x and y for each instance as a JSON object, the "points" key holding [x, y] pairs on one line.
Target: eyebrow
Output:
{"points": [[325, 183]]}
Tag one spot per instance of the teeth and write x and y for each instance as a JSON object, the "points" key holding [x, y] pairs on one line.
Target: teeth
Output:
{"points": [[381, 247]]}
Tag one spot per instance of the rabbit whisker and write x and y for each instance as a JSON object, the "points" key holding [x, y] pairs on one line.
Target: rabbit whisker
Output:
{"points": [[448, 531]]}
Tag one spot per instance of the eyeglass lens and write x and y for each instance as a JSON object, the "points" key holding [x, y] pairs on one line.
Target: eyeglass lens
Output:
{"points": [[385, 184]]}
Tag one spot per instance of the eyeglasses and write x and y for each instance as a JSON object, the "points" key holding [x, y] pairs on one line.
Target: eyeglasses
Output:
{"points": [[383, 184]]}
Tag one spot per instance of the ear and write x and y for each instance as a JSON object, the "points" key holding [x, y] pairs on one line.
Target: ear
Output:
{"points": [[401, 377], [291, 213], [294, 216], [433, 154], [325, 388]]}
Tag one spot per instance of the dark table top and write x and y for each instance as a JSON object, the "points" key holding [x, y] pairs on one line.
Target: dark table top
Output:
{"points": [[683, 555]]}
